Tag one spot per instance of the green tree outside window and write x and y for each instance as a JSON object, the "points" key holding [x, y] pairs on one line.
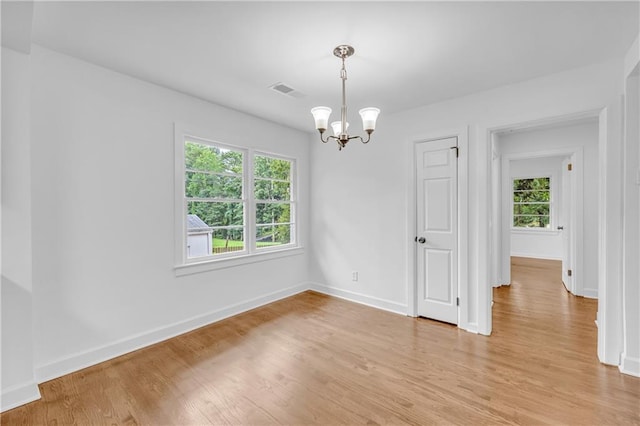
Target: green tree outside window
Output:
{"points": [[532, 202]]}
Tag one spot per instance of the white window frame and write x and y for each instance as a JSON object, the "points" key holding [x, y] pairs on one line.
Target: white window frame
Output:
{"points": [[293, 202], [250, 254], [552, 210]]}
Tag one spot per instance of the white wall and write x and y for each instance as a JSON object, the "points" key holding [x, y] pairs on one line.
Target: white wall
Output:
{"points": [[359, 220], [103, 158], [18, 384], [537, 243], [362, 201]]}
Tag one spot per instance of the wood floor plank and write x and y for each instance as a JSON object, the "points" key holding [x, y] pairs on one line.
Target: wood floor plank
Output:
{"points": [[314, 359]]}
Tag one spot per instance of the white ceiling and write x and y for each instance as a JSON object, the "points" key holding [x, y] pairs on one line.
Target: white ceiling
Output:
{"points": [[407, 54]]}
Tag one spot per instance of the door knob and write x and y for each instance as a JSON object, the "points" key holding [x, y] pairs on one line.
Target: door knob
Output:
{"points": [[559, 228], [422, 240]]}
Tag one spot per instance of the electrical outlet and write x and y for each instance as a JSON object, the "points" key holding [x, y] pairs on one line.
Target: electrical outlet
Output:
{"points": [[354, 276]]}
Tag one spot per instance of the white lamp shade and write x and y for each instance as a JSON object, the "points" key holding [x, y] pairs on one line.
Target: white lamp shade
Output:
{"points": [[337, 127], [369, 117], [321, 116]]}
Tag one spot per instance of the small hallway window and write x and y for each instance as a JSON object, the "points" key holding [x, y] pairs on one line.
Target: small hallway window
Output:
{"points": [[532, 202]]}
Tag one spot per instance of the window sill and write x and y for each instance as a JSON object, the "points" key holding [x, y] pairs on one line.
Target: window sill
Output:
{"points": [[534, 231], [212, 265]]}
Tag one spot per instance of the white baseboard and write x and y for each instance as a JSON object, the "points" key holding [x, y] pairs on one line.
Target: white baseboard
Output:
{"points": [[629, 365], [471, 327], [363, 299], [535, 256], [16, 396], [501, 285], [590, 293], [97, 355]]}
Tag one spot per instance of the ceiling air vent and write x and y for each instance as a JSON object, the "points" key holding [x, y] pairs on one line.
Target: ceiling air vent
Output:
{"points": [[286, 90]]}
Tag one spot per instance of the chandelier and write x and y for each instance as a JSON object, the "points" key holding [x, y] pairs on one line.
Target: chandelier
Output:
{"points": [[321, 113]]}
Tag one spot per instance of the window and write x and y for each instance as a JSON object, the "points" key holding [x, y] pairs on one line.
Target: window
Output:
{"points": [[213, 196], [236, 202], [273, 206], [532, 203]]}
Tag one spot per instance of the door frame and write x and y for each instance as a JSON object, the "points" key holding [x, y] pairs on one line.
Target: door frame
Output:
{"points": [[462, 135], [576, 221], [486, 137]]}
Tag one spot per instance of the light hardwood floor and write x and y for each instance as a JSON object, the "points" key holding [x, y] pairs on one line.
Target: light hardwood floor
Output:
{"points": [[314, 359]]}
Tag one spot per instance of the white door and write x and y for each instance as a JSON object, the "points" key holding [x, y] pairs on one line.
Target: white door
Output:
{"points": [[437, 229], [565, 224]]}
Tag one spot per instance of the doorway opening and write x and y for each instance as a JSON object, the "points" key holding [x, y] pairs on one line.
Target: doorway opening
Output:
{"points": [[567, 154], [545, 202]]}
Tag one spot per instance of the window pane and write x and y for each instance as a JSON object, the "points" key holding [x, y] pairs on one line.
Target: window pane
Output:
{"points": [[531, 196], [531, 184], [525, 221], [211, 158], [273, 235], [531, 221], [228, 240], [273, 213], [272, 190], [214, 228], [215, 213], [544, 221], [213, 241], [274, 168], [531, 209], [531, 202], [204, 185]]}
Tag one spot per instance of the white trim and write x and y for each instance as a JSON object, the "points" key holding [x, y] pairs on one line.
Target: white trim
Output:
{"points": [[533, 256], [485, 138], [590, 293], [471, 327], [632, 57], [464, 284], [18, 395], [120, 347], [179, 214], [610, 298], [630, 366], [212, 265], [605, 354], [483, 226], [363, 299], [182, 262], [535, 231], [630, 358], [411, 232]]}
